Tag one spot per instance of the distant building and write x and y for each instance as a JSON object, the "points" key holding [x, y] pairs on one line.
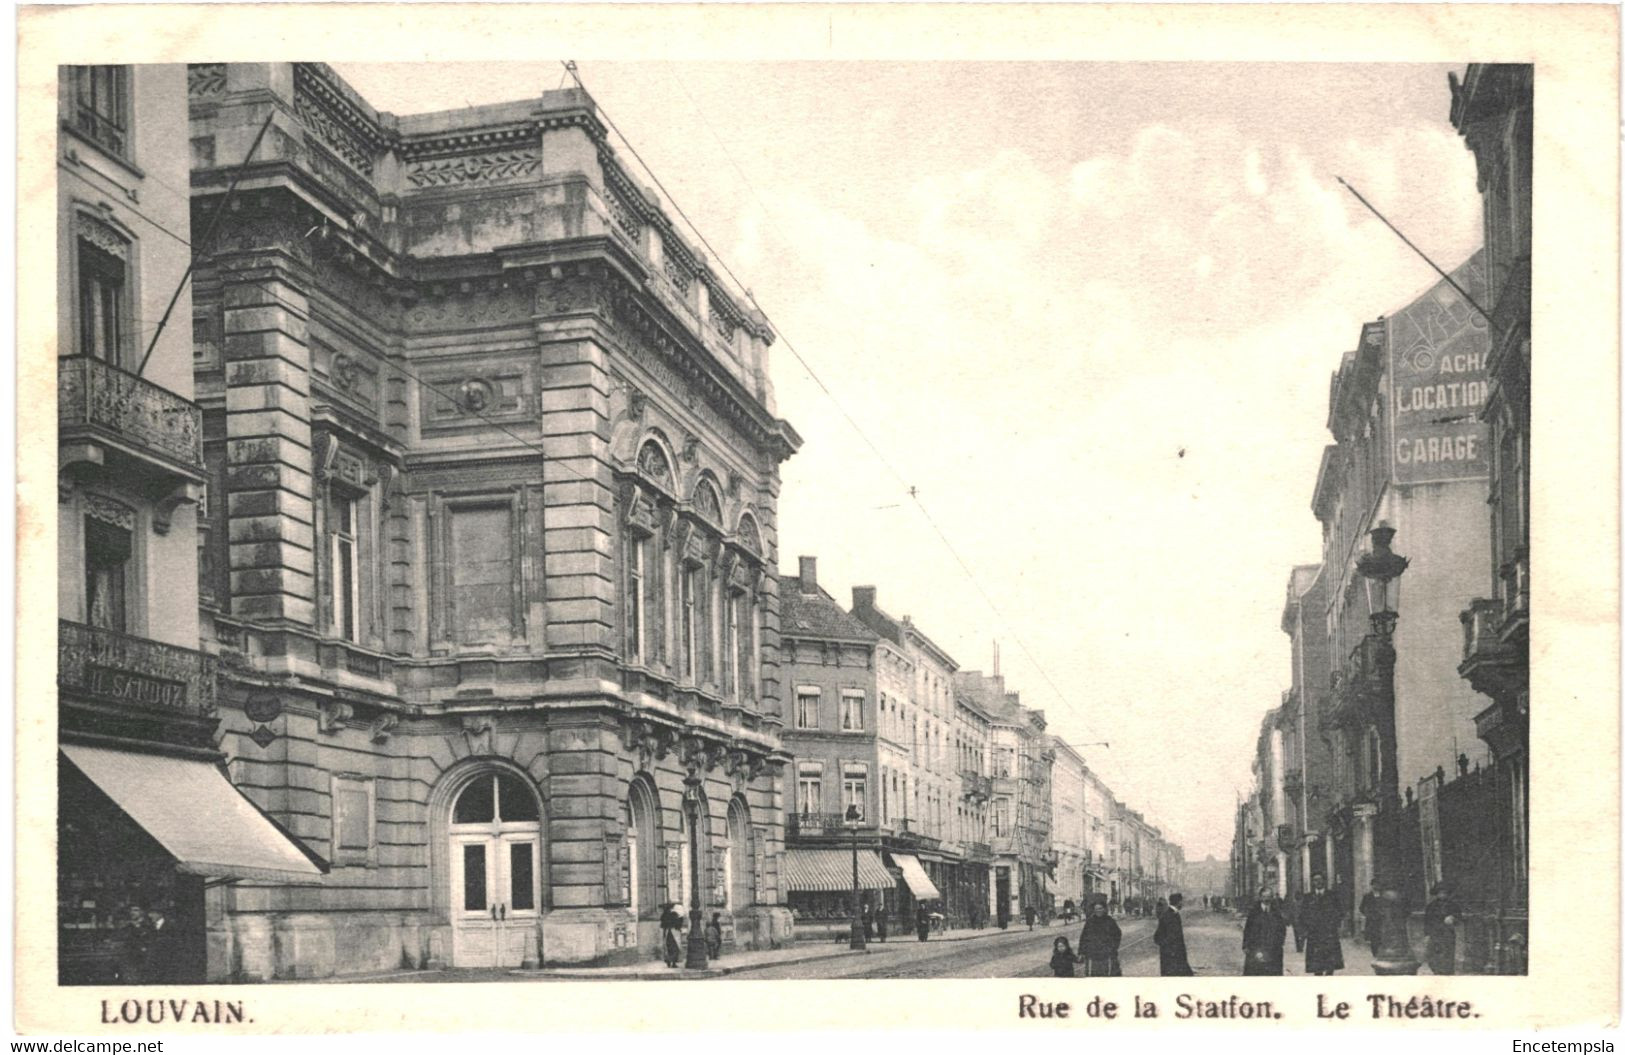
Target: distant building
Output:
{"points": [[1020, 807], [1410, 451], [1309, 781], [1069, 832]]}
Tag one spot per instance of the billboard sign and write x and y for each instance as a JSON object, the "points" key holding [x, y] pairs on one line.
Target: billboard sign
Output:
{"points": [[1438, 383]]}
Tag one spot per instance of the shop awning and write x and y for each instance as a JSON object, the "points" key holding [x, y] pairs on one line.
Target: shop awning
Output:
{"points": [[809, 870], [914, 875], [1096, 875], [193, 811]]}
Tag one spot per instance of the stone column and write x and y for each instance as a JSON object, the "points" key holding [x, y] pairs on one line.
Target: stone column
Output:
{"points": [[268, 450]]}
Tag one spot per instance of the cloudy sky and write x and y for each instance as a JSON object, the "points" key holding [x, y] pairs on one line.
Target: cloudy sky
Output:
{"points": [[1090, 312]]}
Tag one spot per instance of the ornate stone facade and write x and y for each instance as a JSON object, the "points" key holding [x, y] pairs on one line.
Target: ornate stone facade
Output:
{"points": [[497, 515]]}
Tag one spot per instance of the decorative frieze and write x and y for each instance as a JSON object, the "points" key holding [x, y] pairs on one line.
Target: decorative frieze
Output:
{"points": [[480, 168], [205, 80]]}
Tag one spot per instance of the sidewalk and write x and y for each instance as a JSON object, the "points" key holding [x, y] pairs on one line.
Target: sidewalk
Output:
{"points": [[654, 970]]}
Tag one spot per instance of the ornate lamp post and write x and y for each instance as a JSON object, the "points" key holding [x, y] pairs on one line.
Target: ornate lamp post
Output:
{"points": [[1381, 568], [696, 937], [854, 818]]}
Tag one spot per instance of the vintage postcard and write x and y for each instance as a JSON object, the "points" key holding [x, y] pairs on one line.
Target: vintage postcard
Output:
{"points": [[1075, 516]]}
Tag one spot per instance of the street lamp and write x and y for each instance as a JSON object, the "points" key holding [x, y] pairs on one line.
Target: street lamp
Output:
{"points": [[696, 937], [854, 818], [1381, 569]]}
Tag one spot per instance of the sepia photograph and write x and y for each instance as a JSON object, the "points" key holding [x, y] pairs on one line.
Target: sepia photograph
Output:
{"points": [[552, 520]]}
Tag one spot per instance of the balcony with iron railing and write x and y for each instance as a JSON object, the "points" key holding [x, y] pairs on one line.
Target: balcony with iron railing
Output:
{"points": [[905, 834], [1515, 594], [98, 403], [976, 787], [1488, 662], [799, 825], [123, 685]]}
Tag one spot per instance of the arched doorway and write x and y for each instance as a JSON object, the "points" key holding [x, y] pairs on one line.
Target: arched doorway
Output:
{"points": [[495, 837], [643, 854]]}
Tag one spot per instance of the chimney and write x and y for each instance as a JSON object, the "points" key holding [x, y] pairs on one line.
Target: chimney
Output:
{"points": [[863, 598], [995, 659], [809, 574]]}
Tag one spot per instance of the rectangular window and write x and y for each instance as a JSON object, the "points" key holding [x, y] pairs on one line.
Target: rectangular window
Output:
{"points": [[107, 567], [809, 790], [474, 877], [1001, 817], [855, 788], [345, 570], [807, 708], [482, 575], [101, 105], [852, 712], [730, 645], [690, 660], [636, 554], [102, 303]]}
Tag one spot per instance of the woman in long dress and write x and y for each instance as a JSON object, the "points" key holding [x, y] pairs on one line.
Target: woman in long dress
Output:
{"points": [[670, 924]]}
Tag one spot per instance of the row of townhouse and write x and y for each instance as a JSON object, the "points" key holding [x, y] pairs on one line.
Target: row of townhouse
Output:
{"points": [[1396, 761], [918, 783]]}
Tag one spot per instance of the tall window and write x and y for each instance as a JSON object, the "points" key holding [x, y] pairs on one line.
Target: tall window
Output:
{"points": [[107, 562], [730, 644], [855, 787], [809, 788], [851, 711], [1001, 817], [690, 659], [101, 105], [807, 708], [345, 569], [636, 553], [102, 303]]}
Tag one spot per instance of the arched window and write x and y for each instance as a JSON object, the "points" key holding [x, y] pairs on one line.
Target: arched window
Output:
{"points": [[740, 880]]}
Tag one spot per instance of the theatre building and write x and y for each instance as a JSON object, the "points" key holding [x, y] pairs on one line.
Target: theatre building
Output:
{"points": [[149, 830], [488, 546]]}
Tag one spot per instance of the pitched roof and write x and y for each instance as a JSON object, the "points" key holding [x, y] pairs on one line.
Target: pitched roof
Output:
{"points": [[817, 615]]}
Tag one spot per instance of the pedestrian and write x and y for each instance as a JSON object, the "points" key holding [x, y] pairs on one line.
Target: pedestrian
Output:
{"points": [[1061, 959], [1029, 914], [1319, 919], [670, 924], [922, 921], [1439, 924], [1371, 916], [713, 936], [880, 922], [1170, 940], [1099, 942], [1263, 937], [868, 922]]}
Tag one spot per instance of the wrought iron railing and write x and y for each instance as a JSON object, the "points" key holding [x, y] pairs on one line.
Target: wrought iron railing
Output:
{"points": [[110, 667], [976, 787], [820, 824], [94, 396]]}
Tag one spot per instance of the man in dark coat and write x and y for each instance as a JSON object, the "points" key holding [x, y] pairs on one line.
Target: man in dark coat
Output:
{"points": [[1098, 944], [1439, 922], [1371, 916], [1318, 921], [1263, 937], [922, 921], [1170, 939]]}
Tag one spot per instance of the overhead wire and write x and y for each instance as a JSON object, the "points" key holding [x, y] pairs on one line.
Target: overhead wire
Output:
{"points": [[812, 374]]}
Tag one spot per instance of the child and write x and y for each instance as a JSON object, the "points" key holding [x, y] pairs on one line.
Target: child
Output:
{"points": [[713, 936], [1062, 960]]}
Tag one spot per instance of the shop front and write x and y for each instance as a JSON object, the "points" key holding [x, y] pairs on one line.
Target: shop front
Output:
{"points": [[141, 837]]}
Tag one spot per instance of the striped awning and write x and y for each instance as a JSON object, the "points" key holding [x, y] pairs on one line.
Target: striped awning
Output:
{"points": [[914, 875], [809, 870]]}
